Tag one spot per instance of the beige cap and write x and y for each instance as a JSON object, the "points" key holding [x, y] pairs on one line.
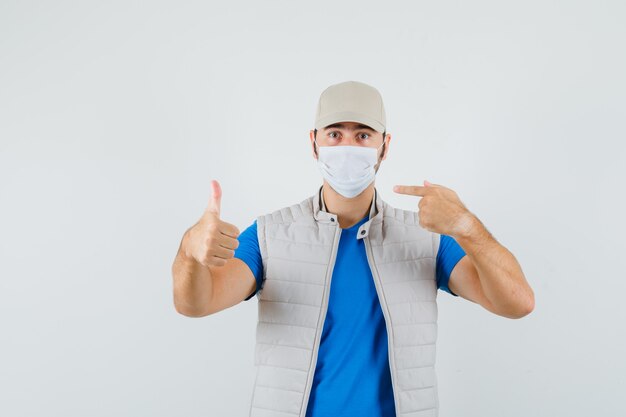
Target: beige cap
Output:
{"points": [[351, 101]]}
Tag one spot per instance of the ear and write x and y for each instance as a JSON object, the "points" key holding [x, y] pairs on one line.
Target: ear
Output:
{"points": [[386, 139], [312, 138]]}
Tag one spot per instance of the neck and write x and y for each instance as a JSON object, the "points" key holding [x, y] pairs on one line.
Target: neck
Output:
{"points": [[348, 210]]}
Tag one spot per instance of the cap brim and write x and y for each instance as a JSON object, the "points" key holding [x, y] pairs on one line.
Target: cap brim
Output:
{"points": [[348, 116]]}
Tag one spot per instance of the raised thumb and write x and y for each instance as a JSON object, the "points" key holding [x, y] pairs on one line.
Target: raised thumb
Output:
{"points": [[216, 198]]}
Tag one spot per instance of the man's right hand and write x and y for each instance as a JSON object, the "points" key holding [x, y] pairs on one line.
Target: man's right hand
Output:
{"points": [[212, 241]]}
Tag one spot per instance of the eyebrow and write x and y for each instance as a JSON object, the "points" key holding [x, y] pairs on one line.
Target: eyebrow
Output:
{"points": [[342, 126]]}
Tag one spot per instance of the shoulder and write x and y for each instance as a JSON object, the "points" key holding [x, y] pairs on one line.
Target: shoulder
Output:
{"points": [[288, 214], [399, 215], [409, 219], [406, 223]]}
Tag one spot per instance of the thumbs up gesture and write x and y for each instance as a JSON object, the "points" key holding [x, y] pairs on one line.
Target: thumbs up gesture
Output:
{"points": [[212, 241], [215, 200]]}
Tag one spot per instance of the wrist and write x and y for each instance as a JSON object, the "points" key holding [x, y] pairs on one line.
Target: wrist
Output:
{"points": [[466, 227]]}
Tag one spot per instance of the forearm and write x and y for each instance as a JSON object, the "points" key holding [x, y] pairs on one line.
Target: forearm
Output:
{"points": [[500, 274], [192, 283]]}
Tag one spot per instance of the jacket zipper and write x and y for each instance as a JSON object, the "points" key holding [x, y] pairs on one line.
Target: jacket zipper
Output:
{"points": [[383, 306], [309, 383]]}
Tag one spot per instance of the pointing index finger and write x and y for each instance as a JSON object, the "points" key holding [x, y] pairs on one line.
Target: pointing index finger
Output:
{"points": [[417, 190]]}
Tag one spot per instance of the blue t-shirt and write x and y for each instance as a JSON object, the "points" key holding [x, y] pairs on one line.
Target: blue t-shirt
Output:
{"points": [[352, 375]]}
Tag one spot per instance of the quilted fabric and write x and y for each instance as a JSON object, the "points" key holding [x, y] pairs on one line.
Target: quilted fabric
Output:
{"points": [[298, 246]]}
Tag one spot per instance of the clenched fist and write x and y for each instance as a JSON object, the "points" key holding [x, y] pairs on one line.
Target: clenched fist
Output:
{"points": [[211, 240]]}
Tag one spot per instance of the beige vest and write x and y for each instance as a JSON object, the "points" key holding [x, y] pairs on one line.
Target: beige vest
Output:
{"points": [[298, 246]]}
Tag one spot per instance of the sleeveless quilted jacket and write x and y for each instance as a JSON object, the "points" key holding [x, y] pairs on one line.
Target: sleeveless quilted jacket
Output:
{"points": [[298, 246]]}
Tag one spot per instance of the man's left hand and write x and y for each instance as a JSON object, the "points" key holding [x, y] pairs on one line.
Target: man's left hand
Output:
{"points": [[440, 209]]}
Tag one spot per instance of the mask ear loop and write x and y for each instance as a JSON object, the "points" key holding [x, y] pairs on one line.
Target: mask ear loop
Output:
{"points": [[383, 152], [383, 145]]}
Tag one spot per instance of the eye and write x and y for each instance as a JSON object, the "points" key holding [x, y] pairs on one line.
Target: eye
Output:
{"points": [[366, 134], [330, 134]]}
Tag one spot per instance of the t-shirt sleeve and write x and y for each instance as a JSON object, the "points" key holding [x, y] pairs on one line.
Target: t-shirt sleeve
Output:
{"points": [[449, 253], [249, 252]]}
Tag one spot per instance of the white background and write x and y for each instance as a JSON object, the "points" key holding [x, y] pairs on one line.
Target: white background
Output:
{"points": [[115, 116]]}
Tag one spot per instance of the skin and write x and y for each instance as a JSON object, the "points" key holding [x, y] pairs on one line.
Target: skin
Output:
{"points": [[488, 274]]}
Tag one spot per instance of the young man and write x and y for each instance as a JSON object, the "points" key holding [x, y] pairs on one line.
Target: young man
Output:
{"points": [[365, 345]]}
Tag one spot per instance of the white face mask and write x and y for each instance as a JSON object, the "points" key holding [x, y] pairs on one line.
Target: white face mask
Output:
{"points": [[348, 169]]}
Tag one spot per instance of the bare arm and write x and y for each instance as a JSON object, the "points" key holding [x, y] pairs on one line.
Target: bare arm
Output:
{"points": [[200, 291], [490, 274], [207, 276]]}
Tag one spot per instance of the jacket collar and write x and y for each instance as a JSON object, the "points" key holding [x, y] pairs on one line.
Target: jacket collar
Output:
{"points": [[322, 216]]}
